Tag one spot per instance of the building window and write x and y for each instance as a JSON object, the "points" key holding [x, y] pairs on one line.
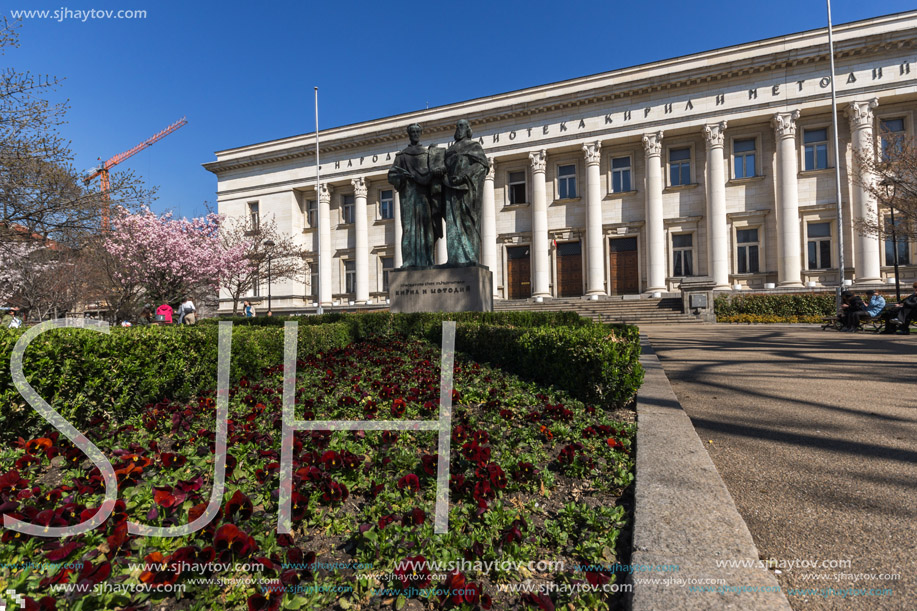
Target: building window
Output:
{"points": [[747, 247], [254, 215], [516, 185], [620, 175], [312, 213], [816, 148], [679, 167], [387, 204], [683, 254], [566, 182], [350, 277], [313, 281], [347, 209], [891, 132], [387, 264], [819, 245], [903, 255], [256, 284], [744, 158]]}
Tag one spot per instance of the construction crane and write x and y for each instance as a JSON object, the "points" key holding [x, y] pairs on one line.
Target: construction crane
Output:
{"points": [[102, 170]]}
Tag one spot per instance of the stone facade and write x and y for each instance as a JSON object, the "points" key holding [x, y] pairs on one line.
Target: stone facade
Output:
{"points": [[716, 164]]}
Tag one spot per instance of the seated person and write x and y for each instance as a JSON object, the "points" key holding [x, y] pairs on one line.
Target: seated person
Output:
{"points": [[898, 317], [875, 303], [852, 308]]}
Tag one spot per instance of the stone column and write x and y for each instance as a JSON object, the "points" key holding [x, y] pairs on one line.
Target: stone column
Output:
{"points": [[489, 223], [717, 228], [324, 228], [361, 241], [399, 231], [789, 254], [541, 262], [866, 247], [655, 232], [595, 252]]}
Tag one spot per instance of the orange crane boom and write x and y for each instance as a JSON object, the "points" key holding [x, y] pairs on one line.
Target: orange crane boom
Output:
{"points": [[103, 169]]}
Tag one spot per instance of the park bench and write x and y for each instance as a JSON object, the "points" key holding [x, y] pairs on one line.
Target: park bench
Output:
{"points": [[874, 323]]}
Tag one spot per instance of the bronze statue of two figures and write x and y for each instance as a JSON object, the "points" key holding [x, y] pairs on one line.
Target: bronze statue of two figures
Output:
{"points": [[437, 184]]}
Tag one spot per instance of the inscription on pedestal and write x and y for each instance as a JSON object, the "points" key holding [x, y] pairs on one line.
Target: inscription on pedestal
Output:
{"points": [[441, 289]]}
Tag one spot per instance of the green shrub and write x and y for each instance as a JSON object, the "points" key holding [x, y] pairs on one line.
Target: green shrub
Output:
{"points": [[595, 363], [84, 373], [783, 306]]}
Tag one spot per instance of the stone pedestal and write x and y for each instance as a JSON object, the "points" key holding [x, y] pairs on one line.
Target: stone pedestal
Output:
{"points": [[441, 288], [697, 297]]}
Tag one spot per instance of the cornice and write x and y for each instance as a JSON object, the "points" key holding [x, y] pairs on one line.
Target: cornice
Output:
{"points": [[709, 67]]}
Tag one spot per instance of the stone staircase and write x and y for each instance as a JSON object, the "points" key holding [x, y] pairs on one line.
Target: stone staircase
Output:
{"points": [[608, 310]]}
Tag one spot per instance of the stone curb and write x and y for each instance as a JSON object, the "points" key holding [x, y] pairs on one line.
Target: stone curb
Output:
{"points": [[685, 516]]}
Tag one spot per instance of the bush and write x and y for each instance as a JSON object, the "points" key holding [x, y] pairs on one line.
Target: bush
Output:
{"points": [[785, 306], [768, 318], [595, 363], [84, 373]]}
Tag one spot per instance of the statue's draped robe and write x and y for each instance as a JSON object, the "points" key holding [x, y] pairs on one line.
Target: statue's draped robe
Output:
{"points": [[463, 184], [412, 175]]}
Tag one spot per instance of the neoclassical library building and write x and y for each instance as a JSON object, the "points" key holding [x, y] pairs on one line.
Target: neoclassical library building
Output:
{"points": [[716, 164]]}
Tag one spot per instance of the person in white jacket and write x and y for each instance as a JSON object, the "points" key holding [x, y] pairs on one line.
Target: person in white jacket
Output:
{"points": [[187, 312]]}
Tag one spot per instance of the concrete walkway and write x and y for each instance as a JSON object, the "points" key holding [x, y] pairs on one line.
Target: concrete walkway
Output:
{"points": [[815, 435], [685, 523]]}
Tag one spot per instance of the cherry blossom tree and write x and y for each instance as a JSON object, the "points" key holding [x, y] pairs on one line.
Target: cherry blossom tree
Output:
{"points": [[258, 244], [167, 259]]}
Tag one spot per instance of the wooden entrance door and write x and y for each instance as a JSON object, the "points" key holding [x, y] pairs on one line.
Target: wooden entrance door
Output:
{"points": [[518, 272], [569, 269], [625, 278]]}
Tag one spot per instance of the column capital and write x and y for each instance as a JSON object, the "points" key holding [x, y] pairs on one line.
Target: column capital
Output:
{"points": [[785, 123], [593, 153], [539, 161], [359, 186], [324, 195], [653, 144], [715, 134], [490, 169], [860, 113]]}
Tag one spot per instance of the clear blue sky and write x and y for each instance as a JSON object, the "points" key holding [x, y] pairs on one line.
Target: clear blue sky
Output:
{"points": [[244, 72]]}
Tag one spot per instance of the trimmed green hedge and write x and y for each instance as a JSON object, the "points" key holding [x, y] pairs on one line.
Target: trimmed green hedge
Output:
{"points": [[363, 324], [85, 373], [783, 306], [596, 363]]}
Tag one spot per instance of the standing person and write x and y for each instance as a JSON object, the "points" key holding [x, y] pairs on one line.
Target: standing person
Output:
{"points": [[186, 312], [898, 317], [852, 307], [248, 309], [164, 314]]}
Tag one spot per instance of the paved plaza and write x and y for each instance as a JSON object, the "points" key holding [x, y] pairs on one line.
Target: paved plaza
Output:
{"points": [[815, 435]]}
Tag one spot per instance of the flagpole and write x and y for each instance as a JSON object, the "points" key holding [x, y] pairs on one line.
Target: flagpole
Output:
{"points": [[318, 214], [837, 165]]}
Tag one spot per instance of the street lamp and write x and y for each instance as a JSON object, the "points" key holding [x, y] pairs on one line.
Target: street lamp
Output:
{"points": [[269, 244], [891, 187]]}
